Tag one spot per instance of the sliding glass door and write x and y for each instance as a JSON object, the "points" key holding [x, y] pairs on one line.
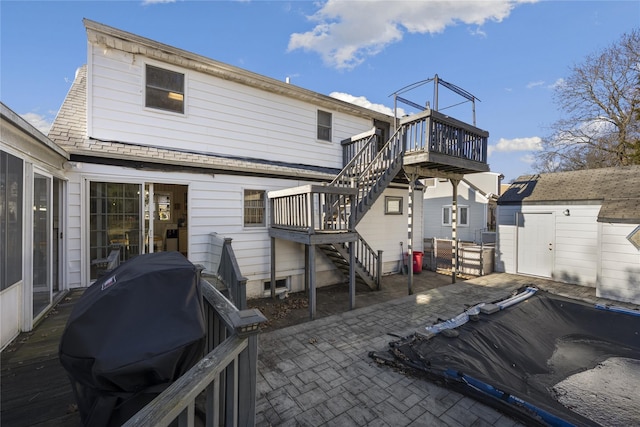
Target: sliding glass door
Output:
{"points": [[42, 243], [136, 218], [114, 221]]}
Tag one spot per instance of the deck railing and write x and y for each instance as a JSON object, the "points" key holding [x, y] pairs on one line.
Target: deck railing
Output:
{"points": [[435, 132], [223, 383], [364, 147], [229, 272], [312, 208]]}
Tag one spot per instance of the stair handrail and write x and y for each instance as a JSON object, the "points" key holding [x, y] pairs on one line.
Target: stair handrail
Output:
{"points": [[390, 155], [371, 137], [369, 259]]}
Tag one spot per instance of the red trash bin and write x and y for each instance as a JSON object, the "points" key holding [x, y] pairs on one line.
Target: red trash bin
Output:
{"points": [[417, 261]]}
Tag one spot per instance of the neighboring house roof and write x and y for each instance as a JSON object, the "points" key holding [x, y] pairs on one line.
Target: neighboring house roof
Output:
{"points": [[12, 117], [616, 189], [69, 130], [488, 196]]}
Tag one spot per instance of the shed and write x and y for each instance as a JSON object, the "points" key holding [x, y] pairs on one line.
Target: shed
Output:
{"points": [[580, 227]]}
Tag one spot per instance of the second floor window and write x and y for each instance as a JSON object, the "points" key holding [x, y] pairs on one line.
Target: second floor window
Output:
{"points": [[164, 89], [254, 208], [324, 125], [463, 216]]}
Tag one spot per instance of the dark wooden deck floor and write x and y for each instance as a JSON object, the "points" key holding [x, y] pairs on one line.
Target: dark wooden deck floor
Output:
{"points": [[34, 388]]}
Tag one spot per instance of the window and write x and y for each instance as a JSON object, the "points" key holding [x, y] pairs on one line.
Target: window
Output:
{"points": [[463, 216], [392, 205], [11, 194], [254, 208], [114, 219], [164, 89], [281, 285], [324, 125]]}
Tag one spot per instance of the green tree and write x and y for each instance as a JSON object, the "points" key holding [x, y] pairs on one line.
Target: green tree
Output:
{"points": [[600, 100]]}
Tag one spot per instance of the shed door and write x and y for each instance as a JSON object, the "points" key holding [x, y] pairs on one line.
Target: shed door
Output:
{"points": [[535, 244]]}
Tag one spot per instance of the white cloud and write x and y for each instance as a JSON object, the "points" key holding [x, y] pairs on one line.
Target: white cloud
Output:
{"points": [[528, 159], [516, 144], [557, 83], [38, 121], [347, 32], [364, 102], [146, 2], [531, 85]]}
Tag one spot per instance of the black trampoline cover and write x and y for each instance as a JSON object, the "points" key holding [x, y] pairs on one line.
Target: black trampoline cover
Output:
{"points": [[524, 351], [131, 334]]}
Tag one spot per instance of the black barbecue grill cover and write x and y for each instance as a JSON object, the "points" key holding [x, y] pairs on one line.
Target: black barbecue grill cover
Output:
{"points": [[131, 334]]}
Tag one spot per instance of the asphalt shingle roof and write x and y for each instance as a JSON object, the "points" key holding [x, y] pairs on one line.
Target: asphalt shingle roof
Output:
{"points": [[617, 189]]}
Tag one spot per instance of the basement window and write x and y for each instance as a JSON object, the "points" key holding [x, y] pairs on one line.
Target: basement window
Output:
{"points": [[164, 89], [281, 285]]}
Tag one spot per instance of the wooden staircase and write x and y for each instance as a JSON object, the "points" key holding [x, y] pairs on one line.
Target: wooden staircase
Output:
{"points": [[425, 145]]}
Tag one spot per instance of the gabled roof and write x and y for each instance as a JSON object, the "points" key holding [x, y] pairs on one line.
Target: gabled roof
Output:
{"points": [[616, 189]]}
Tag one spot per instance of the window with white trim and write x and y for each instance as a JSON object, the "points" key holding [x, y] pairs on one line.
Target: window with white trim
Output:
{"points": [[324, 125], [254, 208], [164, 89], [463, 216]]}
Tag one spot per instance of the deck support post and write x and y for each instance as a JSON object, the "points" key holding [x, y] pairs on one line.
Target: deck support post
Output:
{"points": [[306, 268], [454, 231], [273, 268], [311, 259], [412, 187], [352, 275]]}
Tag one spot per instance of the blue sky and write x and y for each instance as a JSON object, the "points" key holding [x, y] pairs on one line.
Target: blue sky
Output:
{"points": [[508, 54]]}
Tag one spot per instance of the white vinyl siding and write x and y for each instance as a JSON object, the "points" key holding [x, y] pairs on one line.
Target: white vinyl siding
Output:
{"points": [[222, 117], [385, 232], [575, 248], [214, 206], [620, 264]]}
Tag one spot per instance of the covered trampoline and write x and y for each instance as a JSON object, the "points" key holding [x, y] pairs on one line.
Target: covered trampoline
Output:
{"points": [[542, 359]]}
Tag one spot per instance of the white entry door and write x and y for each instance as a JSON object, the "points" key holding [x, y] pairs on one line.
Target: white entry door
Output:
{"points": [[535, 243]]}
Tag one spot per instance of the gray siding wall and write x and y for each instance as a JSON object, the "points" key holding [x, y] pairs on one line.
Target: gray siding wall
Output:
{"points": [[440, 195]]}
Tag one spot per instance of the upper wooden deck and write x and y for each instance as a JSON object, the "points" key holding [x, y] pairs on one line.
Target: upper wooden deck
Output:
{"points": [[435, 143]]}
